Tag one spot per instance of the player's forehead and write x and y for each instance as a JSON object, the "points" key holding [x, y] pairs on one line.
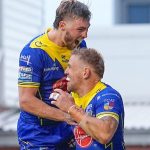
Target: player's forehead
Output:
{"points": [[79, 23]]}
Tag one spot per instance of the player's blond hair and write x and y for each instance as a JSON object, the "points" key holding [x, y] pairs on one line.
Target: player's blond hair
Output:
{"points": [[93, 58]]}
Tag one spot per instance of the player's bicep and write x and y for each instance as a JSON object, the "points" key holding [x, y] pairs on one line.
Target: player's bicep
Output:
{"points": [[26, 94], [110, 124]]}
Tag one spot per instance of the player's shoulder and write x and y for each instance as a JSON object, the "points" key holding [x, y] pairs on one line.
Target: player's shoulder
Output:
{"points": [[38, 42], [34, 46], [83, 44], [108, 92], [42, 41]]}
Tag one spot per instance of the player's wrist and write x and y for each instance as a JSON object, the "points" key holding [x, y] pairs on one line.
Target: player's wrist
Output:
{"points": [[76, 113], [83, 120], [66, 117]]}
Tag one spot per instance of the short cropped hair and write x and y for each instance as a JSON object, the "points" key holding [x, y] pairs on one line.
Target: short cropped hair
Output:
{"points": [[68, 9], [93, 58]]}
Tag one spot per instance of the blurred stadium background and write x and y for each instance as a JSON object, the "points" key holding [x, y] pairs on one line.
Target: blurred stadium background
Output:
{"points": [[120, 30]]}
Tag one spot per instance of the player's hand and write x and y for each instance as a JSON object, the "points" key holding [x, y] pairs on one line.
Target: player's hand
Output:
{"points": [[62, 100]]}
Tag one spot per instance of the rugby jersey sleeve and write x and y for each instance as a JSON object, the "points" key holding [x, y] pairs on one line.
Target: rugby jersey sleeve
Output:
{"points": [[109, 104], [30, 68], [83, 44]]}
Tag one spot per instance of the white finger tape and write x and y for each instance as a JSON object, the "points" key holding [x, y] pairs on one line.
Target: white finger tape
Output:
{"points": [[54, 96]]}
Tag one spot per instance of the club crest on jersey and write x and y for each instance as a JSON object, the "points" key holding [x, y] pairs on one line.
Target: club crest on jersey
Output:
{"points": [[109, 104], [82, 139]]}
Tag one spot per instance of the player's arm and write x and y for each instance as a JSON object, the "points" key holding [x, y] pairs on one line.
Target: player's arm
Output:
{"points": [[29, 79], [101, 129], [29, 103]]}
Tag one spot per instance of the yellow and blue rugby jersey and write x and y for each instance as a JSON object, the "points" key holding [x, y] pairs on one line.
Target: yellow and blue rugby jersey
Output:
{"points": [[41, 64], [101, 101]]}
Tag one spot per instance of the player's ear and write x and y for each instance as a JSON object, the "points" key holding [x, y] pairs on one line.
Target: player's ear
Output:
{"points": [[86, 72], [62, 25]]}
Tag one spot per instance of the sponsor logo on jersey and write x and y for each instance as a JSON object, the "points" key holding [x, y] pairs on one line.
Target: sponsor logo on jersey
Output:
{"points": [[53, 68], [39, 44], [111, 94], [25, 69], [64, 59], [25, 58], [82, 139], [24, 76]]}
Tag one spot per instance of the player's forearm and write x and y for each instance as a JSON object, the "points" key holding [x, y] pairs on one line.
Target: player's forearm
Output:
{"points": [[82, 119], [37, 107], [94, 127], [97, 129]]}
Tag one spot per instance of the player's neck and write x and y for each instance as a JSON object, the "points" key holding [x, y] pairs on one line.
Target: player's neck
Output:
{"points": [[55, 36]]}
